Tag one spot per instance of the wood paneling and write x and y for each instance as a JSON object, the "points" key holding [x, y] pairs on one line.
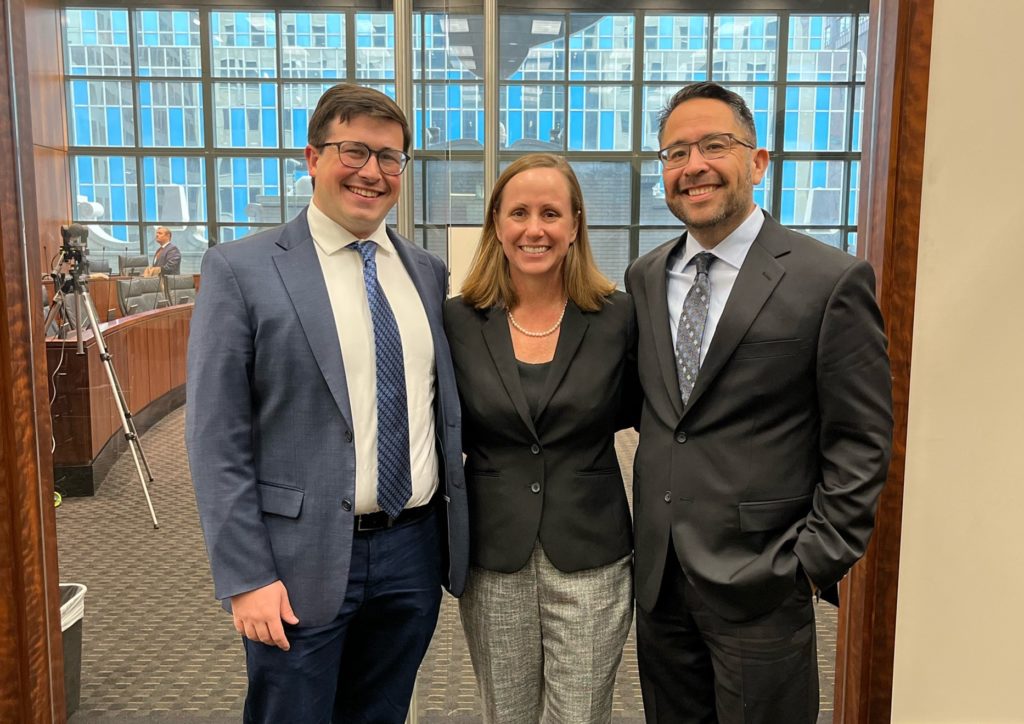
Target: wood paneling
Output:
{"points": [[148, 352], [889, 223], [31, 671]]}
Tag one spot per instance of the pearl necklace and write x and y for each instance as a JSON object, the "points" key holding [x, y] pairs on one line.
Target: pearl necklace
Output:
{"points": [[546, 332]]}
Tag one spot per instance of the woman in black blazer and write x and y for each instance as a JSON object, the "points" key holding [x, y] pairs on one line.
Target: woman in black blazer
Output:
{"points": [[544, 352]]}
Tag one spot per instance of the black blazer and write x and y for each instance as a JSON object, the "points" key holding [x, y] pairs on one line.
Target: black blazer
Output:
{"points": [[779, 456], [557, 478]]}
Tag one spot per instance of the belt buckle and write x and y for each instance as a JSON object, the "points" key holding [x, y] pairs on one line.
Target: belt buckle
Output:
{"points": [[370, 520]]}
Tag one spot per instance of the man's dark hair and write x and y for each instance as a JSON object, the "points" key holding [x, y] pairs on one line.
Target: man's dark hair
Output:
{"points": [[716, 92], [346, 101]]}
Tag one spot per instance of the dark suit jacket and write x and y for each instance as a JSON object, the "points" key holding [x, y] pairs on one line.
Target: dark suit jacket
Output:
{"points": [[779, 457], [269, 426], [168, 258], [557, 478]]}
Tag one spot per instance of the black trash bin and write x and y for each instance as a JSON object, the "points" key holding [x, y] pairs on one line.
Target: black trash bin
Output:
{"points": [[72, 608]]}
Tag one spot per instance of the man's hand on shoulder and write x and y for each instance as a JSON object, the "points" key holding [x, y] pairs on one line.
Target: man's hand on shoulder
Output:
{"points": [[258, 614]]}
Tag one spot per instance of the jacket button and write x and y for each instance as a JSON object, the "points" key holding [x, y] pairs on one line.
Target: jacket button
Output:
{"points": [[346, 505], [668, 496], [348, 436], [680, 437], [535, 449], [535, 487]]}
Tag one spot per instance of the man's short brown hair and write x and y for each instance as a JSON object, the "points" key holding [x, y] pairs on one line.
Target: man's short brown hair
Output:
{"points": [[346, 101]]}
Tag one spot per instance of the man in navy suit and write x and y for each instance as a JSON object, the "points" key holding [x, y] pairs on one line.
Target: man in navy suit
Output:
{"points": [[331, 524], [168, 257]]}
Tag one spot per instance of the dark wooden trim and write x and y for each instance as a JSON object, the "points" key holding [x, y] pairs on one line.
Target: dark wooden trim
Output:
{"points": [[896, 104], [31, 663]]}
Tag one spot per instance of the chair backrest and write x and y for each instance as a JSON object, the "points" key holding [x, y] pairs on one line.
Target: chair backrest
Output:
{"points": [[180, 288], [139, 295], [129, 266]]}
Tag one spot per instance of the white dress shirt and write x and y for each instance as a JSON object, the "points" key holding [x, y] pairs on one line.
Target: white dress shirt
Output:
{"points": [[730, 253], [343, 272]]}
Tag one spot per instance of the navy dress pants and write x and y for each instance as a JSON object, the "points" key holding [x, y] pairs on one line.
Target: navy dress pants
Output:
{"points": [[361, 667]]}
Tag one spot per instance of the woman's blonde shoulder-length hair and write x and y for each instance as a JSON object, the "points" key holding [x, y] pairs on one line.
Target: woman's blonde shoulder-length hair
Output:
{"points": [[488, 282]]}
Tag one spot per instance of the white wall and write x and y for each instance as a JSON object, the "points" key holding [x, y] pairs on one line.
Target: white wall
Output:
{"points": [[960, 628]]}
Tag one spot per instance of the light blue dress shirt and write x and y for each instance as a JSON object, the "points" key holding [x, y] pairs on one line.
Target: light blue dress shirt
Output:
{"points": [[729, 253]]}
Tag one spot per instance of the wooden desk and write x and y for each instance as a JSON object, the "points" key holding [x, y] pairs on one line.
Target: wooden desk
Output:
{"points": [[148, 351]]}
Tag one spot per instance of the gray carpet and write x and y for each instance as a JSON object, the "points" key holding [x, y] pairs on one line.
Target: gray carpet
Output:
{"points": [[157, 647]]}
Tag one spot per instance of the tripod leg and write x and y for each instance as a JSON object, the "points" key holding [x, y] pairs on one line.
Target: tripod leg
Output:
{"points": [[127, 425]]}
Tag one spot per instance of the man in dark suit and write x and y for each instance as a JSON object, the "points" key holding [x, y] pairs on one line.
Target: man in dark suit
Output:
{"points": [[168, 257], [323, 434], [765, 433]]}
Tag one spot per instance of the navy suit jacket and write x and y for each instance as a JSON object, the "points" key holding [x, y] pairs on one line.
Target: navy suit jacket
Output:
{"points": [[269, 427]]}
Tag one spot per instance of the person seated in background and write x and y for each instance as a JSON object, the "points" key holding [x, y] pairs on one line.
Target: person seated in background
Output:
{"points": [[168, 257], [543, 346]]}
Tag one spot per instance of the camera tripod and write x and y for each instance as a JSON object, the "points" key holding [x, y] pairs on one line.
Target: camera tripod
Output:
{"points": [[72, 285]]}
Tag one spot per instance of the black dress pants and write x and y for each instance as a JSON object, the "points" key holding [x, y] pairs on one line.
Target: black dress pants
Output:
{"points": [[697, 668]]}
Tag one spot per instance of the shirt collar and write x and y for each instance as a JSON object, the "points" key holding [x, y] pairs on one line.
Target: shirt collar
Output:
{"points": [[332, 237], [732, 249]]}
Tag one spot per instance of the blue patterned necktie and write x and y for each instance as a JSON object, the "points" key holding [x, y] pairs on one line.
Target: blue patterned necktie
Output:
{"points": [[394, 479], [691, 325]]}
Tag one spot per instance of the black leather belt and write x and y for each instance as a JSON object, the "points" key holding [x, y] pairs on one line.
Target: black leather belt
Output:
{"points": [[368, 522]]}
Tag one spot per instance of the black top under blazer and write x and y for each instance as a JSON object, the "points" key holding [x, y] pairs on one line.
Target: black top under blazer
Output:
{"points": [[555, 478]]}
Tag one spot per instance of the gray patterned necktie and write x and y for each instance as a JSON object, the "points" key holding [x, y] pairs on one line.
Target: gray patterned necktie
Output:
{"points": [[394, 478], [691, 325]]}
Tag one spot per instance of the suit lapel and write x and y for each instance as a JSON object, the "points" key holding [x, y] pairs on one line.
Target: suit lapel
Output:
{"points": [[757, 279], [656, 287], [303, 279], [570, 336], [499, 344]]}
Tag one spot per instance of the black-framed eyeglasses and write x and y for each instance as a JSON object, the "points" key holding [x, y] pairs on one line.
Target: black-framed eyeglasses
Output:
{"points": [[713, 146], [355, 154]]}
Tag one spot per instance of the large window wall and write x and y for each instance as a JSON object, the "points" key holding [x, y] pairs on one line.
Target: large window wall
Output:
{"points": [[196, 118]]}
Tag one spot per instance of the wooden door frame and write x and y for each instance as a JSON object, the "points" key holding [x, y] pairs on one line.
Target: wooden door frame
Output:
{"points": [[895, 109]]}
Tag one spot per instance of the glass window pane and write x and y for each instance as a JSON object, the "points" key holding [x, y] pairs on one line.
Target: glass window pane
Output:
{"points": [[676, 47], [832, 237], [450, 192], [812, 192], [532, 117], [245, 115], [606, 190], [532, 47], [298, 186], [600, 118], [299, 101], [819, 48], [449, 116], [651, 238], [109, 241], [851, 216], [851, 243], [858, 117], [96, 42], [100, 113], [653, 209], [234, 233], [745, 47], [610, 248], [171, 113], [244, 45], [313, 45], [450, 47], [167, 43], [108, 185], [602, 47], [816, 118], [248, 190], [375, 45], [435, 240], [862, 48], [174, 189]]}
